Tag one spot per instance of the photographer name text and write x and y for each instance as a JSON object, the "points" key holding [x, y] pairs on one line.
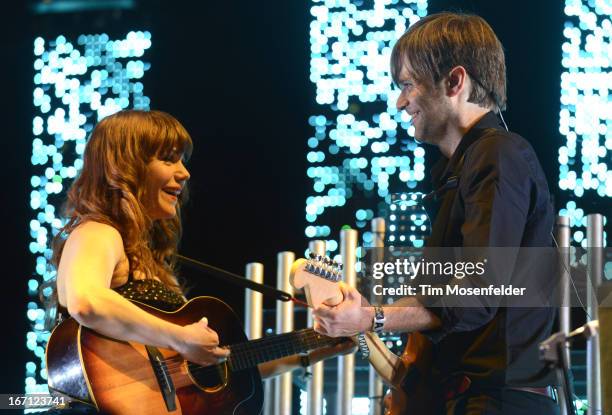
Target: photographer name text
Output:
{"points": [[426, 289]]}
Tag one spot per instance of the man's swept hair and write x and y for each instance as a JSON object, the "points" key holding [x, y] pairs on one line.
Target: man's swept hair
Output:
{"points": [[439, 42]]}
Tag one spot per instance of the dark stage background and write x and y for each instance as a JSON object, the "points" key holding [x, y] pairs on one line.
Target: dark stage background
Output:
{"points": [[236, 74]]}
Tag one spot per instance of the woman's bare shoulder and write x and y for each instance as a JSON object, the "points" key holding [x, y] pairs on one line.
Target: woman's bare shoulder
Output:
{"points": [[96, 229], [92, 234], [91, 254]]}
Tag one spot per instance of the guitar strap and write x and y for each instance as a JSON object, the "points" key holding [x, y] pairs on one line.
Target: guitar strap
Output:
{"points": [[447, 191]]}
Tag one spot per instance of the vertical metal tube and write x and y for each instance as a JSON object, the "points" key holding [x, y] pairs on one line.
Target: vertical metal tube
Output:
{"points": [[563, 240], [378, 245], [562, 236], [375, 384], [253, 303], [346, 364], [594, 278], [314, 388], [269, 397], [253, 322], [284, 324]]}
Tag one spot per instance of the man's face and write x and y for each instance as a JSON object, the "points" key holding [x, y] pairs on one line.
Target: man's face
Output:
{"points": [[428, 107]]}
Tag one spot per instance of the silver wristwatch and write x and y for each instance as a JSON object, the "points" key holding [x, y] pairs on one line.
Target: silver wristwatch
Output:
{"points": [[379, 320]]}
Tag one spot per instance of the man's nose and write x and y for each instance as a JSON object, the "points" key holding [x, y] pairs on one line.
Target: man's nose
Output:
{"points": [[401, 102]]}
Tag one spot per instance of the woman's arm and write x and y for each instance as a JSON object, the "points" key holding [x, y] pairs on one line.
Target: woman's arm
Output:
{"points": [[280, 366], [85, 271]]}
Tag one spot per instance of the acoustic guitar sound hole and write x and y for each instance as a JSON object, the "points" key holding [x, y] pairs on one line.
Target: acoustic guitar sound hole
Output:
{"points": [[209, 378]]}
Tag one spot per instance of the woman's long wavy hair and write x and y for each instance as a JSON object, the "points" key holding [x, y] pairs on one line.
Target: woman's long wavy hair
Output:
{"points": [[110, 189]]}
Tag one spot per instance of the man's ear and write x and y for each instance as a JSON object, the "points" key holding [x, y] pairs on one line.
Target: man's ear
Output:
{"points": [[456, 81]]}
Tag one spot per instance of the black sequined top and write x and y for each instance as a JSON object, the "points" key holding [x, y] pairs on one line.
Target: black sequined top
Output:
{"points": [[148, 291], [151, 292]]}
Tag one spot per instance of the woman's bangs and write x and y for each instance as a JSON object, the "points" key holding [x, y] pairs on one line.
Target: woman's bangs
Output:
{"points": [[173, 141]]}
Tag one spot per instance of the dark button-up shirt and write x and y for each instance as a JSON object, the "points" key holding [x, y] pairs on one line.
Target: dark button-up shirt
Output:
{"points": [[502, 200]]}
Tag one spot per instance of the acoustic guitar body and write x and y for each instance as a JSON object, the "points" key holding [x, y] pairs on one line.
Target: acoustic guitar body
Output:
{"points": [[120, 377]]}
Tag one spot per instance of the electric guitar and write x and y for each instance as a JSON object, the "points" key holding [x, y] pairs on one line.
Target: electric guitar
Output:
{"points": [[118, 377], [408, 374]]}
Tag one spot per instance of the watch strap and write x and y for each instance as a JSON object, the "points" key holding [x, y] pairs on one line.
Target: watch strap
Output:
{"points": [[379, 319]]}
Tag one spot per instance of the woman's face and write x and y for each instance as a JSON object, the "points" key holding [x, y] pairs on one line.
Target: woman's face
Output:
{"points": [[163, 184]]}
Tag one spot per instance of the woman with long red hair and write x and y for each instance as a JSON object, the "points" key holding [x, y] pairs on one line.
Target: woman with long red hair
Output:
{"points": [[122, 233], [120, 240]]}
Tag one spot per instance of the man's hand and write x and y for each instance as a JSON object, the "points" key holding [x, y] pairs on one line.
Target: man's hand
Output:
{"points": [[352, 316]]}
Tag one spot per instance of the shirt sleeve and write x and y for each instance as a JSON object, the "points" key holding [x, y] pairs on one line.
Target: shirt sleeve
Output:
{"points": [[495, 191]]}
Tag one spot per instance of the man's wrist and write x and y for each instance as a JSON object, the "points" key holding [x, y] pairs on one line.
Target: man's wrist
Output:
{"points": [[368, 319]]}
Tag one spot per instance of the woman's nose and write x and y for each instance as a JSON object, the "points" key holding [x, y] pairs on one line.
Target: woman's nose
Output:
{"points": [[183, 172]]}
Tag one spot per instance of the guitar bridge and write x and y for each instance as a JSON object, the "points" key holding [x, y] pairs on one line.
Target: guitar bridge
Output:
{"points": [[166, 386]]}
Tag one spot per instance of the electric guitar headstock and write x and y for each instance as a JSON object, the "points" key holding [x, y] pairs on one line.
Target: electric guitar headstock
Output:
{"points": [[319, 277]]}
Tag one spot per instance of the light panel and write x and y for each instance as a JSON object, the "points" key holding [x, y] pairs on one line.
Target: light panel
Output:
{"points": [[585, 117], [77, 82], [359, 152]]}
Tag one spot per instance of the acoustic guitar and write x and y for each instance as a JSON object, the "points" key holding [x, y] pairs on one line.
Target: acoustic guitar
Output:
{"points": [[118, 377], [408, 374]]}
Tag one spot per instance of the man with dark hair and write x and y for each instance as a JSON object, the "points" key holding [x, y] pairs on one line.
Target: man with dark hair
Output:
{"points": [[451, 71], [437, 43]]}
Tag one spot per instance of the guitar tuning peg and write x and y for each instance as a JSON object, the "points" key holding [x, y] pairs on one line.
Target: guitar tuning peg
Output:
{"points": [[312, 255]]}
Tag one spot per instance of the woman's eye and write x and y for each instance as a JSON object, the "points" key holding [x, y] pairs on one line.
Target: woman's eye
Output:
{"points": [[170, 159]]}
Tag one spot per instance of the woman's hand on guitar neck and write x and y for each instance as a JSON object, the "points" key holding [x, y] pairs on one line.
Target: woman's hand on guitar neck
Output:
{"points": [[352, 316], [279, 366], [199, 344], [346, 347]]}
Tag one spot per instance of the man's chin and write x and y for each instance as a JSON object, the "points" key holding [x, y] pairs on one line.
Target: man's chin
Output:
{"points": [[424, 137], [421, 140]]}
